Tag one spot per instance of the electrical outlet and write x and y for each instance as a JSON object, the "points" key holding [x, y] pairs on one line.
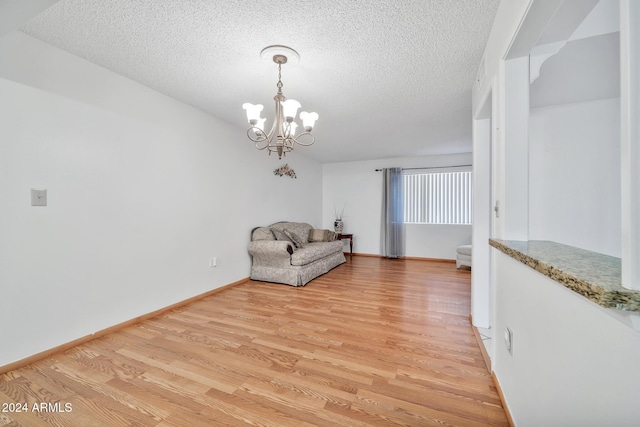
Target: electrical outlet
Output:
{"points": [[508, 340]]}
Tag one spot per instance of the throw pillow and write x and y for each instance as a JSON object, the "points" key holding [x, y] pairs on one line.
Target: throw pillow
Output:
{"points": [[280, 235], [322, 235], [297, 241], [316, 235]]}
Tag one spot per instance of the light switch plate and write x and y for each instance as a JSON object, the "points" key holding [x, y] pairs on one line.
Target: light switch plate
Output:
{"points": [[508, 340], [38, 197]]}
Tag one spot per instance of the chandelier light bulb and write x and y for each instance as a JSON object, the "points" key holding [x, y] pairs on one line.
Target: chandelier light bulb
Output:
{"points": [[290, 109], [253, 112], [308, 120]]}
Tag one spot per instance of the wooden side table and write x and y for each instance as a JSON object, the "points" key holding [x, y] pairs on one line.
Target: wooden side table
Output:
{"points": [[350, 237]]}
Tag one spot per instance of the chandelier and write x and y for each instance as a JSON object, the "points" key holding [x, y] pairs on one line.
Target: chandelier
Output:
{"points": [[282, 136]]}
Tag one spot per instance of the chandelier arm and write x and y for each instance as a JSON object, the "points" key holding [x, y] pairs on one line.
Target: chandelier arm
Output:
{"points": [[261, 145], [271, 133], [254, 136], [304, 144], [261, 140], [258, 136]]}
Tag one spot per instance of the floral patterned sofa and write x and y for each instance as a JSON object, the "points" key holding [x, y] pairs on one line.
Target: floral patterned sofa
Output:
{"points": [[293, 253]]}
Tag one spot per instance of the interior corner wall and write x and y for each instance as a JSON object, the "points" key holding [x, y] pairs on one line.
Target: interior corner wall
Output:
{"points": [[358, 187], [574, 159], [142, 191]]}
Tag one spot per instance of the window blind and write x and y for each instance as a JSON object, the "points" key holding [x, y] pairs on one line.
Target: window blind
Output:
{"points": [[438, 198]]}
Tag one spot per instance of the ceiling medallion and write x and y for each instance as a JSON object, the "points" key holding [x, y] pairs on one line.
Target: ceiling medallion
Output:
{"points": [[282, 136]]}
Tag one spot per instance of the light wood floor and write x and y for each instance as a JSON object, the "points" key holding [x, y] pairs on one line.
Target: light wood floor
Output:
{"points": [[374, 342]]}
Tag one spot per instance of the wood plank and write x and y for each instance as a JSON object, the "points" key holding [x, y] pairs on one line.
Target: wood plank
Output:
{"points": [[61, 348], [373, 342]]}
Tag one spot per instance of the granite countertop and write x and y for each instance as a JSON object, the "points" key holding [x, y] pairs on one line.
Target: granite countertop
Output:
{"points": [[592, 275]]}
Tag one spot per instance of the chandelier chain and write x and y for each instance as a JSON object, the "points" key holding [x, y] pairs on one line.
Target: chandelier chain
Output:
{"points": [[279, 85]]}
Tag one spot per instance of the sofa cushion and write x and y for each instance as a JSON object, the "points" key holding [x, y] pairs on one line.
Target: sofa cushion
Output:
{"points": [[262, 233], [464, 250], [314, 251]]}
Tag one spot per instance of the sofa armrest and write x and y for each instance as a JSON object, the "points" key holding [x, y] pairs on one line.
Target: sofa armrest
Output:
{"points": [[271, 253]]}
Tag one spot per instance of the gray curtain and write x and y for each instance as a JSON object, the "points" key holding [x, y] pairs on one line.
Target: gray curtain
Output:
{"points": [[392, 232]]}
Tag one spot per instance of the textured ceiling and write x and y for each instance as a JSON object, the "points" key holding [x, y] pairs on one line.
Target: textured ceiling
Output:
{"points": [[388, 78]]}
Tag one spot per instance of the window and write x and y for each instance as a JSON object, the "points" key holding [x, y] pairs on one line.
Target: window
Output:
{"points": [[437, 198]]}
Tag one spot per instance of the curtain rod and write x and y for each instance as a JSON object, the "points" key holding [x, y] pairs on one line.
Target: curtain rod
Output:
{"points": [[432, 167]]}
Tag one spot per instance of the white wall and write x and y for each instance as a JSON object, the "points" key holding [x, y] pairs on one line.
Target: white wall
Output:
{"points": [[359, 186], [142, 191], [482, 217], [573, 364], [436, 241], [574, 190], [514, 201]]}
